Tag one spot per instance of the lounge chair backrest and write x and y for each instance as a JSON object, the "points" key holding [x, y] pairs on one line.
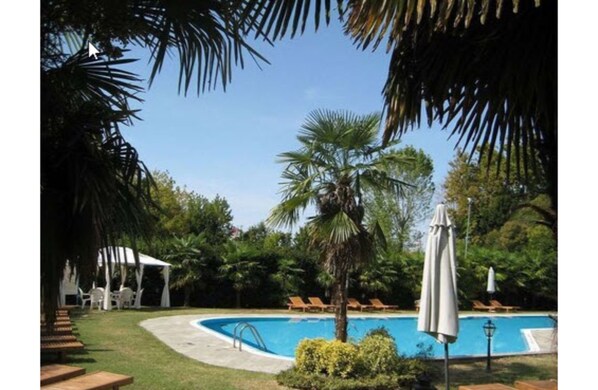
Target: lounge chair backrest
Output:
{"points": [[376, 302], [353, 302], [316, 301], [496, 303], [297, 301]]}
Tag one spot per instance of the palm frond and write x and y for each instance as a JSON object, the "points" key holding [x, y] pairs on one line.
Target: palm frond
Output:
{"points": [[274, 18], [484, 69], [334, 229], [207, 36]]}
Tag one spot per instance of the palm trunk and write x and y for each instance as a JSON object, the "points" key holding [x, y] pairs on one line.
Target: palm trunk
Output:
{"points": [[238, 300], [340, 313], [187, 296]]}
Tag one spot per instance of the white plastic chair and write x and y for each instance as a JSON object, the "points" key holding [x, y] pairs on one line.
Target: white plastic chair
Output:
{"points": [[125, 297], [85, 297], [97, 297]]}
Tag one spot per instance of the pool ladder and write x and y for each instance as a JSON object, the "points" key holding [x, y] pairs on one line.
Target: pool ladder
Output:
{"points": [[241, 326]]}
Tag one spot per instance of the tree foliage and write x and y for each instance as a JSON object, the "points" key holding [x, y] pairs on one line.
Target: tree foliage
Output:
{"points": [[189, 256], [494, 197], [399, 216]]}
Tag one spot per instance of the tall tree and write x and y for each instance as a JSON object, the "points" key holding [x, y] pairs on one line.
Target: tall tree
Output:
{"points": [[212, 218], [338, 161], [494, 198], [399, 215], [171, 201]]}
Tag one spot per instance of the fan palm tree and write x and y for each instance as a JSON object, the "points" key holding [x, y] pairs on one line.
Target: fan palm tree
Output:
{"points": [[485, 69], [378, 276], [240, 267], [288, 277], [94, 188], [189, 260], [339, 159]]}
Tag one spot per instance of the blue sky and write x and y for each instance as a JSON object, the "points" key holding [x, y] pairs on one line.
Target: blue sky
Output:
{"points": [[226, 142]]}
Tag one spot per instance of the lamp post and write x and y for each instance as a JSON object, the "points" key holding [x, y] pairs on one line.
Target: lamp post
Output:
{"points": [[469, 200], [489, 329]]}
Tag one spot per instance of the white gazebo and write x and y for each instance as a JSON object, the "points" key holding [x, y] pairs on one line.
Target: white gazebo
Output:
{"points": [[126, 258]]}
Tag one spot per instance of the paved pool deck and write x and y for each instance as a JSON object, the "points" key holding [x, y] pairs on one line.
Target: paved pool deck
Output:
{"points": [[181, 335]]}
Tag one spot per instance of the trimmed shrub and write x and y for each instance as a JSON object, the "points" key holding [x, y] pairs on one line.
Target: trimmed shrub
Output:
{"points": [[307, 356], [338, 358], [333, 365], [379, 331], [377, 355], [297, 380]]}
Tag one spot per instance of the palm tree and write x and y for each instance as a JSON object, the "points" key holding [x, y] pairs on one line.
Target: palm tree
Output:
{"points": [[378, 276], [240, 267], [338, 160], [189, 258], [288, 276], [485, 69], [95, 190]]}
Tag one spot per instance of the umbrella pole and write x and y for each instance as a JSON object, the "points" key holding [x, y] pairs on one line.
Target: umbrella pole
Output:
{"points": [[446, 366]]}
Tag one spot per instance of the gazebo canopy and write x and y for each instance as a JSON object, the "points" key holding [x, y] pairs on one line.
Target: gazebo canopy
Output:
{"points": [[126, 256]]}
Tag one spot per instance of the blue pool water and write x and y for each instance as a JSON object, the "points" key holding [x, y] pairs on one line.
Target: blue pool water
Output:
{"points": [[282, 334]]}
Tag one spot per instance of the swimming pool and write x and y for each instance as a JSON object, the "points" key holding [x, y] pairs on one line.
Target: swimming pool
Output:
{"points": [[282, 334]]}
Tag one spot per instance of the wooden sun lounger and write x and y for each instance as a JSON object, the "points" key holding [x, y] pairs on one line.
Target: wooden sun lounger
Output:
{"points": [[496, 304], [355, 305], [536, 385], [57, 330], [317, 303], [57, 324], [61, 347], [101, 380], [478, 305], [297, 303], [488, 386], [58, 372], [378, 305], [54, 338]]}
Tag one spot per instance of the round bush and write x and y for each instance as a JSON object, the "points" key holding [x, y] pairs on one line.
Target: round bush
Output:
{"points": [[378, 355], [338, 359], [307, 355]]}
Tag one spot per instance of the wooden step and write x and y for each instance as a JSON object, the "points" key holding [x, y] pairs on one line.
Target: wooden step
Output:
{"points": [[58, 372], [101, 380]]}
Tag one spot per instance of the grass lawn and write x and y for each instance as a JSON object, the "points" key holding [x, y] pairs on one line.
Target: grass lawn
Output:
{"points": [[115, 342]]}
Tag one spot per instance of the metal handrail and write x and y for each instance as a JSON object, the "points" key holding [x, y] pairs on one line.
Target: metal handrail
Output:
{"points": [[235, 332], [254, 331]]}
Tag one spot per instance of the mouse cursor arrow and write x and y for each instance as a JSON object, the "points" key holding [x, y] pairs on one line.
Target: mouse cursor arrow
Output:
{"points": [[93, 51]]}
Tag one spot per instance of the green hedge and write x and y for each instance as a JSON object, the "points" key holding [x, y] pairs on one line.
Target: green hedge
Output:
{"points": [[372, 364]]}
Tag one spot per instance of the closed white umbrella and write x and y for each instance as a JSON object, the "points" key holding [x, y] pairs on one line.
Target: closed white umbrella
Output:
{"points": [[439, 310], [491, 288]]}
